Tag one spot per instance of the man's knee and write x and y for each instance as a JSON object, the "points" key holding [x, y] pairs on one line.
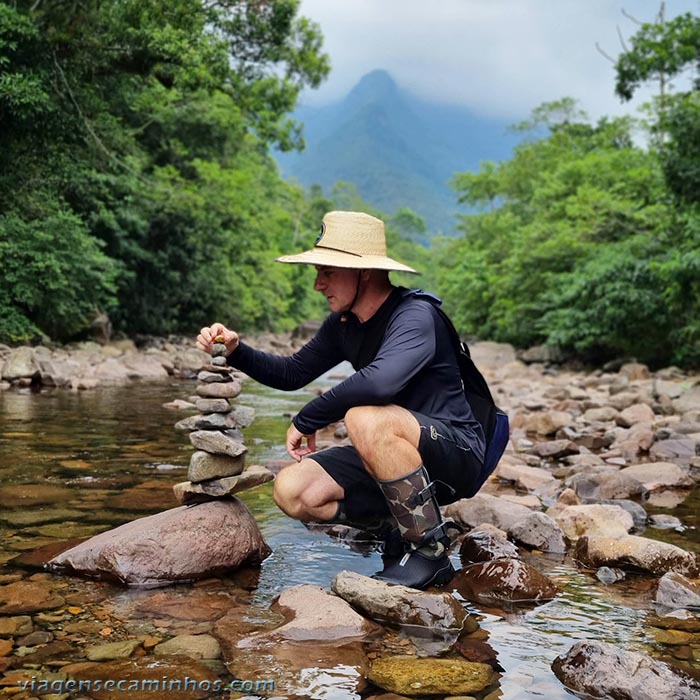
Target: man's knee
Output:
{"points": [[300, 488], [287, 490], [362, 421]]}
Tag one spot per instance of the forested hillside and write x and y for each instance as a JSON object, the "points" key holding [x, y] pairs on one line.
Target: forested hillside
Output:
{"points": [[586, 240], [135, 175]]}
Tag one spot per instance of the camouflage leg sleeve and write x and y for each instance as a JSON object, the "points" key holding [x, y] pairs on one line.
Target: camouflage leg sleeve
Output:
{"points": [[413, 505]]}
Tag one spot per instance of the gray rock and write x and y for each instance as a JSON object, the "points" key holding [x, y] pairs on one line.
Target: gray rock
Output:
{"points": [[217, 443], [659, 475], [678, 450], [20, 363], [676, 591], [484, 508], [212, 377], [180, 544], [607, 575], [665, 522], [631, 552], [539, 531], [603, 670], [213, 405], [204, 466], [399, 605], [187, 492], [228, 390], [219, 361], [639, 515], [688, 401]]}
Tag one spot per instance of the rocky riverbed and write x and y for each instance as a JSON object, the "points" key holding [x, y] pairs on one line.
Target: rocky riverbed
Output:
{"points": [[597, 492]]}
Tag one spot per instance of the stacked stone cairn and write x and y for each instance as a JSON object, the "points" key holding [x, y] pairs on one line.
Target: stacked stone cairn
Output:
{"points": [[217, 467]]}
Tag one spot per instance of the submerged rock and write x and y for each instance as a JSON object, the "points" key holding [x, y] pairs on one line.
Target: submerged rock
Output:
{"points": [[410, 676], [176, 545], [605, 671], [319, 616], [172, 678], [504, 580], [400, 605]]}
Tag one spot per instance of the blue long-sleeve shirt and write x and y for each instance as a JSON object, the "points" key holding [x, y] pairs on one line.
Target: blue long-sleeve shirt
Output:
{"points": [[415, 367]]}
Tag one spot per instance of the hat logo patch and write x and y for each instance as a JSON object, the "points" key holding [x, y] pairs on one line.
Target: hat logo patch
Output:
{"points": [[320, 235]]}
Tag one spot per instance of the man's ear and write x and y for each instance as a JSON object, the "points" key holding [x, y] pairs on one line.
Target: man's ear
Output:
{"points": [[365, 275]]}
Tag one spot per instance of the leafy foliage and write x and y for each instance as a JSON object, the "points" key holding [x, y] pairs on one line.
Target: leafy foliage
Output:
{"points": [[135, 176]]}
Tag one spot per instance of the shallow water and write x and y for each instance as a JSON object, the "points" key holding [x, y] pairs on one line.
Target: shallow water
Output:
{"points": [[99, 443]]}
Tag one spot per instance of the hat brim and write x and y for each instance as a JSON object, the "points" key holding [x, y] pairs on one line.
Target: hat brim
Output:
{"points": [[336, 258]]}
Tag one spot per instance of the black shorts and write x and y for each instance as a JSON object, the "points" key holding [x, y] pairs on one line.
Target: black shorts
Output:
{"points": [[452, 466]]}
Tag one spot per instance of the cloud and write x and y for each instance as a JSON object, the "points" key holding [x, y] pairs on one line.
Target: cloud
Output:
{"points": [[499, 58]]}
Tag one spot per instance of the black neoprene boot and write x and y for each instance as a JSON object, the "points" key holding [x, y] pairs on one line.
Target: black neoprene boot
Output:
{"points": [[411, 500]]}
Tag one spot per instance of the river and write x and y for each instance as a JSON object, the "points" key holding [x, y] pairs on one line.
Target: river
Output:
{"points": [[100, 445]]}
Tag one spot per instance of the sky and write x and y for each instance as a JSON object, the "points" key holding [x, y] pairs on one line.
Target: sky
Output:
{"points": [[498, 58]]}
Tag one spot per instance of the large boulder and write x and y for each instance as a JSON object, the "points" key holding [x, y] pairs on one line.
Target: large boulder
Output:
{"points": [[659, 475], [399, 605], [594, 519], [484, 508], [179, 544], [512, 580], [602, 670], [20, 363], [635, 553]]}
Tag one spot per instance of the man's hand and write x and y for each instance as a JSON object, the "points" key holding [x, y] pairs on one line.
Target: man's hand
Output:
{"points": [[206, 336], [294, 443]]}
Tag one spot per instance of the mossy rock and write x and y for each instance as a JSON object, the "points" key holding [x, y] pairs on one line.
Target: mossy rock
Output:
{"points": [[407, 675]]}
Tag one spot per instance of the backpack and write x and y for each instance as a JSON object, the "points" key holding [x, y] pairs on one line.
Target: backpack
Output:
{"points": [[494, 421]]}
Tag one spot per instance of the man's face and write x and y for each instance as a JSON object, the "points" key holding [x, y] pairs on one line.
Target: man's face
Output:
{"points": [[338, 285]]}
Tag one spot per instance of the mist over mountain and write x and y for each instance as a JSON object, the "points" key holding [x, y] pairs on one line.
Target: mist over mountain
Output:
{"points": [[397, 149]]}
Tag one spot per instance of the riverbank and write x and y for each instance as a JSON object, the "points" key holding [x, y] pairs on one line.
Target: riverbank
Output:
{"points": [[89, 365]]}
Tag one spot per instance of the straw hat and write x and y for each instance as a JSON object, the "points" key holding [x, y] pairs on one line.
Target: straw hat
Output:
{"points": [[349, 239]]}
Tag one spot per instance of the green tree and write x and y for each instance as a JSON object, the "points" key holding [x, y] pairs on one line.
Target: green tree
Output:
{"points": [[148, 123]]}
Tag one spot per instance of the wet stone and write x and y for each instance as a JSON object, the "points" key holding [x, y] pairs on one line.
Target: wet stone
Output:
{"points": [[409, 676], [35, 638], [28, 596], [399, 605], [135, 671], [195, 646], [15, 626], [112, 650], [504, 580]]}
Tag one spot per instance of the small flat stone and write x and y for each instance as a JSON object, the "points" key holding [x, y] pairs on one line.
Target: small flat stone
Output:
{"points": [[229, 390], [213, 405], [217, 443], [218, 361], [212, 377], [187, 492], [205, 466]]}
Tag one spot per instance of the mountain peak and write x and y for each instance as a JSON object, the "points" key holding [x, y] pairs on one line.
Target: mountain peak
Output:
{"points": [[377, 83]]}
